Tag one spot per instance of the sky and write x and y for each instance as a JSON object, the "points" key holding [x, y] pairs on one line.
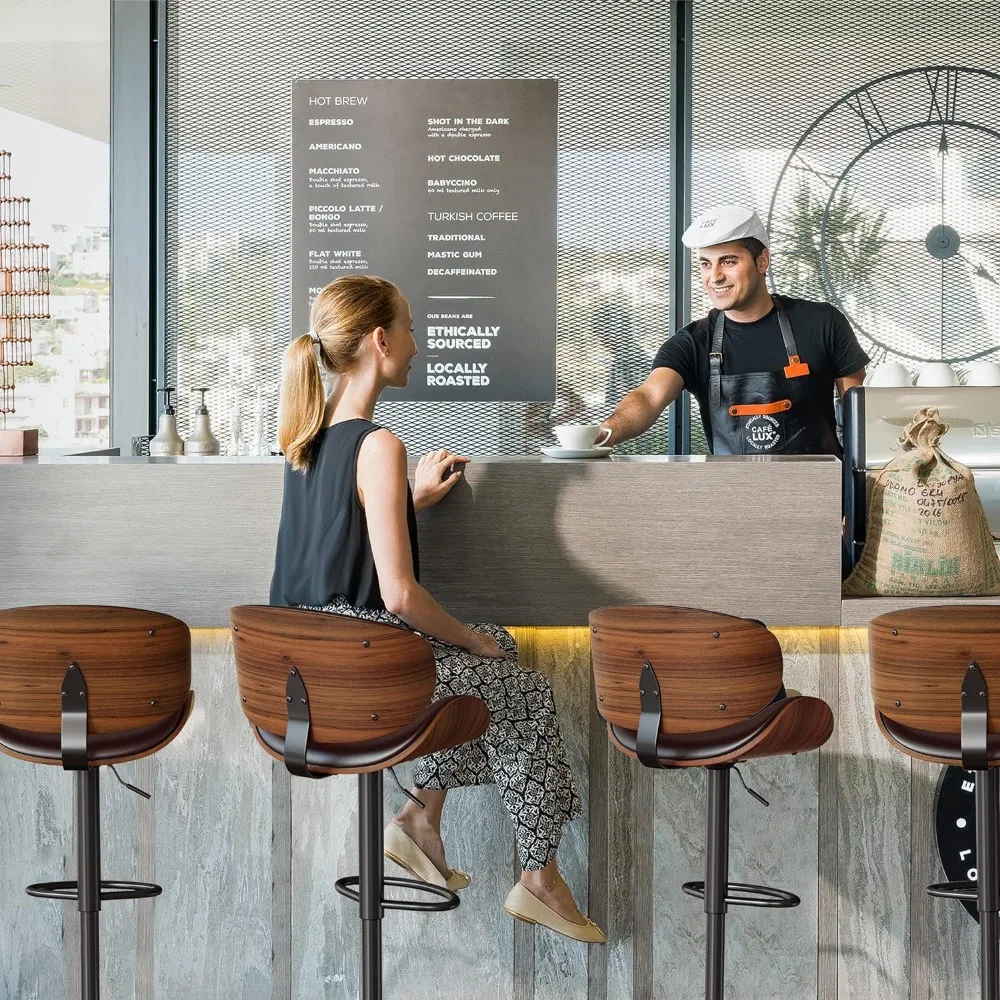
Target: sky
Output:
{"points": [[66, 175]]}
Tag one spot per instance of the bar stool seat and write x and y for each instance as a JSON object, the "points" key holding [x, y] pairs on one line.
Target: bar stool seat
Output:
{"points": [[328, 694], [681, 687], [789, 726], [935, 675], [83, 686], [440, 726]]}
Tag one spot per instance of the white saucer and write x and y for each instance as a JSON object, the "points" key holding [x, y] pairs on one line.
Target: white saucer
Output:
{"points": [[554, 451]]}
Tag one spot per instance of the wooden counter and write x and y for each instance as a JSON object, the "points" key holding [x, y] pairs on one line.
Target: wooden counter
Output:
{"points": [[521, 541]]}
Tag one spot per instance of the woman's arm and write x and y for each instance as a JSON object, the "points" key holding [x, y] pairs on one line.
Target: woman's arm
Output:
{"points": [[382, 485]]}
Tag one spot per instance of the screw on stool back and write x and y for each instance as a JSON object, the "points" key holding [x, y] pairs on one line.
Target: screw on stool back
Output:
{"points": [[136, 670], [364, 679], [920, 659], [713, 669]]}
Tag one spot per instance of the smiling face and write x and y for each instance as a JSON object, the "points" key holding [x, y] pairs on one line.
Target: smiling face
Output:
{"points": [[395, 346], [731, 276]]}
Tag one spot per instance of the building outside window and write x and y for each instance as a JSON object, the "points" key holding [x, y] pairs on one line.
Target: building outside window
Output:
{"points": [[55, 78]]}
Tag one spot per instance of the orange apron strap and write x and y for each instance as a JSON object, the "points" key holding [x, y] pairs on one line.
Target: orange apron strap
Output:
{"points": [[760, 409], [795, 368]]}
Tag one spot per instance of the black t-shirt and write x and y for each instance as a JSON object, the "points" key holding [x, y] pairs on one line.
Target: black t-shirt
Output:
{"points": [[823, 336]]}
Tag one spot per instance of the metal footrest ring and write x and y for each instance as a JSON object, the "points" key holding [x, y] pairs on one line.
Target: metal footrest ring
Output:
{"points": [[743, 894], [965, 890], [109, 890], [449, 899]]}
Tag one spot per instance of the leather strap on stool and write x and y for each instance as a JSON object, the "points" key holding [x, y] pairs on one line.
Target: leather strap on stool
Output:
{"points": [[650, 717], [73, 738], [297, 732], [975, 720]]}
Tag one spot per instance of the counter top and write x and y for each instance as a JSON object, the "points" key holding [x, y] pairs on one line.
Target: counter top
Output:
{"points": [[522, 541], [858, 612], [96, 458]]}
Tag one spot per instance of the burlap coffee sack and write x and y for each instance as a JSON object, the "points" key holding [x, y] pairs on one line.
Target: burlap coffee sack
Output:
{"points": [[927, 530]]}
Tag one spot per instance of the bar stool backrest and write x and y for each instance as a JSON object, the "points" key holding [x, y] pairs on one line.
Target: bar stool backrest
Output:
{"points": [[713, 670], [136, 665], [363, 679], [919, 657]]}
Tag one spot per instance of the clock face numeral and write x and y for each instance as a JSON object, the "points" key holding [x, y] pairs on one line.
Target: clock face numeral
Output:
{"points": [[943, 85], [801, 163], [863, 105], [878, 355], [885, 208], [955, 824]]}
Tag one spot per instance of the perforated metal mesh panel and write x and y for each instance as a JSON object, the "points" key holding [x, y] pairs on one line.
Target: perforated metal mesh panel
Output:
{"points": [[838, 105], [230, 67]]}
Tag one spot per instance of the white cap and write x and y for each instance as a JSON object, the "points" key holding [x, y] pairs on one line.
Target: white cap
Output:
{"points": [[722, 224]]}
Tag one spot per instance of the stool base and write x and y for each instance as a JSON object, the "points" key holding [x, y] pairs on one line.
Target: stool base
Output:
{"points": [[746, 894], [449, 899], [717, 891], [371, 883], [109, 890], [89, 890]]}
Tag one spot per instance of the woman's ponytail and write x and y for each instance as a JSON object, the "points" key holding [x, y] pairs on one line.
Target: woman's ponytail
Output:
{"points": [[303, 402], [342, 317]]}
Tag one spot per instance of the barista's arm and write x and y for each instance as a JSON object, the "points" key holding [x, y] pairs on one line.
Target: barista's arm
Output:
{"points": [[850, 381], [639, 410]]}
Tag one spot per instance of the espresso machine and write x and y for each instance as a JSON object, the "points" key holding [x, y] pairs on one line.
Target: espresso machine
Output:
{"points": [[874, 421]]}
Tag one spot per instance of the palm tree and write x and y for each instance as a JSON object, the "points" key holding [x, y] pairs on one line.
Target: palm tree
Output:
{"points": [[851, 247]]}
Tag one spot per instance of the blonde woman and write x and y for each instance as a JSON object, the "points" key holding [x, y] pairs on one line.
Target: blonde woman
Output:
{"points": [[347, 544]]}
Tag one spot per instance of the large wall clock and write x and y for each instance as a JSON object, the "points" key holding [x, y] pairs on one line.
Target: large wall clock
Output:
{"points": [[889, 208], [955, 824]]}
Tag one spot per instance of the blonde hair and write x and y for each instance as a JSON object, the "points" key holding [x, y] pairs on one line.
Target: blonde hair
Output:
{"points": [[343, 315]]}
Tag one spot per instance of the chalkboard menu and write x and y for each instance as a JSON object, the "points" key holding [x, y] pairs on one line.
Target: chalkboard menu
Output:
{"points": [[448, 189]]}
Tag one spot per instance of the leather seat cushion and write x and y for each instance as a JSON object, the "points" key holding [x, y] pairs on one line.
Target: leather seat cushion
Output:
{"points": [[100, 746], [361, 753], [707, 745], [929, 744]]}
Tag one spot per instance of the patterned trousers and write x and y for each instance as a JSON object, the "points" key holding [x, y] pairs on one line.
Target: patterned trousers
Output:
{"points": [[521, 752]]}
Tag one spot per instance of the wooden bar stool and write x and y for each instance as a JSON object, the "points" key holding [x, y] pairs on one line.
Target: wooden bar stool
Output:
{"points": [[679, 687], [936, 686], [81, 687], [327, 694]]}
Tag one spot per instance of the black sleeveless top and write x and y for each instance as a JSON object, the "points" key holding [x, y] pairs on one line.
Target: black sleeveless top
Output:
{"points": [[323, 550]]}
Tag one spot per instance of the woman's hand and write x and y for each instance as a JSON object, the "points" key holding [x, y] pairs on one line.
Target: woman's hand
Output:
{"points": [[484, 645], [432, 481]]}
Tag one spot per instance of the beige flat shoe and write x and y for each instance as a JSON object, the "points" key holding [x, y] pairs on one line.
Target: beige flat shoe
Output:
{"points": [[522, 904], [400, 848]]}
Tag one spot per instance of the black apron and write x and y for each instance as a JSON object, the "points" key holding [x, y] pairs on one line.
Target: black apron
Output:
{"points": [[766, 413]]}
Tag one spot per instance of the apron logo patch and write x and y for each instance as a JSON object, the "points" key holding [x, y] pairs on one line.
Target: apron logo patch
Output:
{"points": [[762, 432]]}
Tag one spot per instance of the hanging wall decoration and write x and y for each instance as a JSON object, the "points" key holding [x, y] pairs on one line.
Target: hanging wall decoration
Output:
{"points": [[24, 296]]}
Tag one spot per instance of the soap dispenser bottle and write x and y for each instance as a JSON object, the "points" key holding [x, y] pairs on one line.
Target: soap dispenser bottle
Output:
{"points": [[167, 440], [201, 440]]}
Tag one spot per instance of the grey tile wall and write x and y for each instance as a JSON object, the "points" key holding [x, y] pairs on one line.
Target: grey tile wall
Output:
{"points": [[248, 856]]}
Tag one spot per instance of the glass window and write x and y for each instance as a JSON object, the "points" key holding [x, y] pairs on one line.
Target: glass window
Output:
{"points": [[55, 72], [229, 192], [855, 114]]}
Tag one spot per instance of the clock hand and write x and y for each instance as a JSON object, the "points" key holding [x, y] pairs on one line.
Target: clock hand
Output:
{"points": [[942, 153], [979, 271]]}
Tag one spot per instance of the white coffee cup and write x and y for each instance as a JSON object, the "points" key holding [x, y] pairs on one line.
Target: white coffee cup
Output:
{"points": [[890, 374], [580, 437], [937, 373], [982, 373]]}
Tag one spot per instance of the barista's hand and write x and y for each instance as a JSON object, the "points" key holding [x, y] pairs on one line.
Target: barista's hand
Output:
{"points": [[435, 478]]}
